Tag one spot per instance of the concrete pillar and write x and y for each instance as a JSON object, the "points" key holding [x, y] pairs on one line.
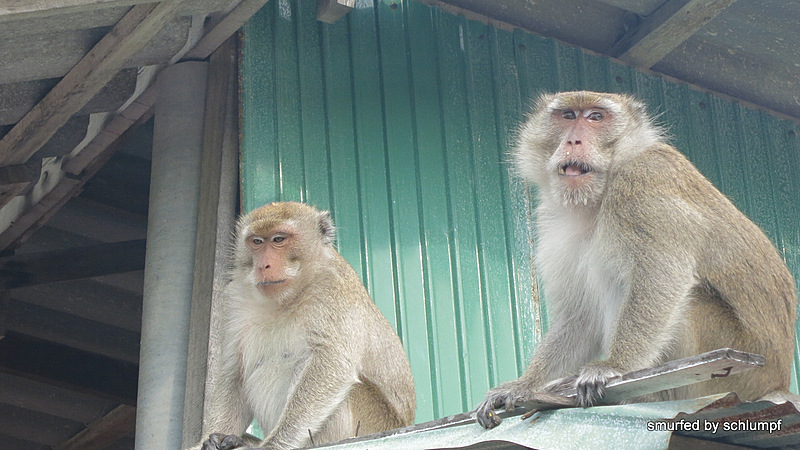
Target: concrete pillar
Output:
{"points": [[169, 265]]}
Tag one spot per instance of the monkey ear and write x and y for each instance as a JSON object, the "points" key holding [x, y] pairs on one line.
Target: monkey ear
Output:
{"points": [[326, 227]]}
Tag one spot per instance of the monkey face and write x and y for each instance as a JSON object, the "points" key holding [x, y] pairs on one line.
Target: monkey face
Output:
{"points": [[278, 241], [570, 144], [274, 266]]}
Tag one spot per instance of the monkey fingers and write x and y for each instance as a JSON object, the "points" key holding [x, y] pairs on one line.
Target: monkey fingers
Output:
{"points": [[219, 441], [501, 397], [591, 384]]}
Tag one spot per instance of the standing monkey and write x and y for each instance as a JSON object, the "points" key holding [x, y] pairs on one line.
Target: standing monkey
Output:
{"points": [[305, 350], [642, 260]]}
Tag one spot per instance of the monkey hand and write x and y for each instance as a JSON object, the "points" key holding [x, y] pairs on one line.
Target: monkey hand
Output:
{"points": [[591, 383], [505, 396], [219, 441]]}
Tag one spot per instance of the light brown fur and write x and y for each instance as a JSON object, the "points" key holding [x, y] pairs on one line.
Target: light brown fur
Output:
{"points": [[642, 259], [305, 350]]}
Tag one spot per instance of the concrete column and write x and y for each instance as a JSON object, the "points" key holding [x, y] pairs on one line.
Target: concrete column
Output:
{"points": [[169, 265]]}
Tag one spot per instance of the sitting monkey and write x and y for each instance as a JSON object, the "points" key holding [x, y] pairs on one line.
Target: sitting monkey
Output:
{"points": [[304, 349], [642, 260]]}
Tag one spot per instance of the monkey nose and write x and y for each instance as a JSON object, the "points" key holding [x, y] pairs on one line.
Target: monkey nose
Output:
{"points": [[576, 142]]}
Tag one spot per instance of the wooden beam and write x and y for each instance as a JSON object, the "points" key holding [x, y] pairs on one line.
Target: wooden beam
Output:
{"points": [[74, 332], [30, 9], [71, 264], [78, 173], [103, 432], [87, 299], [86, 79], [222, 28], [666, 29], [69, 368], [215, 222], [330, 11], [14, 179], [83, 166]]}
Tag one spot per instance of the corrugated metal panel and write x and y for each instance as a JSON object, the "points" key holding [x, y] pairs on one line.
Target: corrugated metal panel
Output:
{"points": [[397, 119], [692, 423]]}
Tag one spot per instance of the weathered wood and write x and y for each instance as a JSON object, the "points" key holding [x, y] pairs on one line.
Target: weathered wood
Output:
{"points": [[330, 11], [69, 186], [49, 399], [85, 80], [23, 173], [223, 28], [31, 9], [38, 214], [138, 112], [87, 299], [14, 179], [215, 221], [666, 29], [69, 368], [101, 148], [71, 264], [77, 333], [103, 432]]}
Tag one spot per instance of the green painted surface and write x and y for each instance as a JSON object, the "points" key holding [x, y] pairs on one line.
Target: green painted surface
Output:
{"points": [[398, 119]]}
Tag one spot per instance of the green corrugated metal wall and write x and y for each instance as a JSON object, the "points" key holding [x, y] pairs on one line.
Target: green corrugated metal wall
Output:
{"points": [[397, 119]]}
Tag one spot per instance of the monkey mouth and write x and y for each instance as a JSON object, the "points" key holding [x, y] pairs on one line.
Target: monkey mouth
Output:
{"points": [[270, 283], [574, 169]]}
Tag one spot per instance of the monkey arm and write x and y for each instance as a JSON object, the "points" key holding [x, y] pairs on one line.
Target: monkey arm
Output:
{"points": [[323, 385], [226, 412], [561, 352], [649, 321]]}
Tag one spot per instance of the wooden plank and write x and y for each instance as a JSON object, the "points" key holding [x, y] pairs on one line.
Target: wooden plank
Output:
{"points": [[72, 369], [222, 28], [72, 331], [71, 185], [87, 299], [216, 219], [85, 80], [13, 179], [71, 264], [666, 29], [330, 11], [30, 9], [103, 432], [101, 148], [138, 112], [38, 214]]}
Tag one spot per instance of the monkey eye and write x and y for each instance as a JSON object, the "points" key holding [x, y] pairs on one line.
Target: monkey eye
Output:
{"points": [[595, 116], [257, 241], [568, 114], [278, 239]]}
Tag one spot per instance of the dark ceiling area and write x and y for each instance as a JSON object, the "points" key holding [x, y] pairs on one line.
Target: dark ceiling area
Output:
{"points": [[75, 136]]}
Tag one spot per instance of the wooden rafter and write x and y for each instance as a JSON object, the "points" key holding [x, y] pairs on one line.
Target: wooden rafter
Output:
{"points": [[71, 264], [38, 9], [103, 432], [89, 75], [83, 165], [666, 29]]}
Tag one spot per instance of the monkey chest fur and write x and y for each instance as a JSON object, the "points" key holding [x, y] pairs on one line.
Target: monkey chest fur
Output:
{"points": [[273, 358], [584, 279]]}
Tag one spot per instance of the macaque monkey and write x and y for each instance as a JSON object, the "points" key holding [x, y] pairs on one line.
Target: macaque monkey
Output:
{"points": [[642, 260], [304, 348]]}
